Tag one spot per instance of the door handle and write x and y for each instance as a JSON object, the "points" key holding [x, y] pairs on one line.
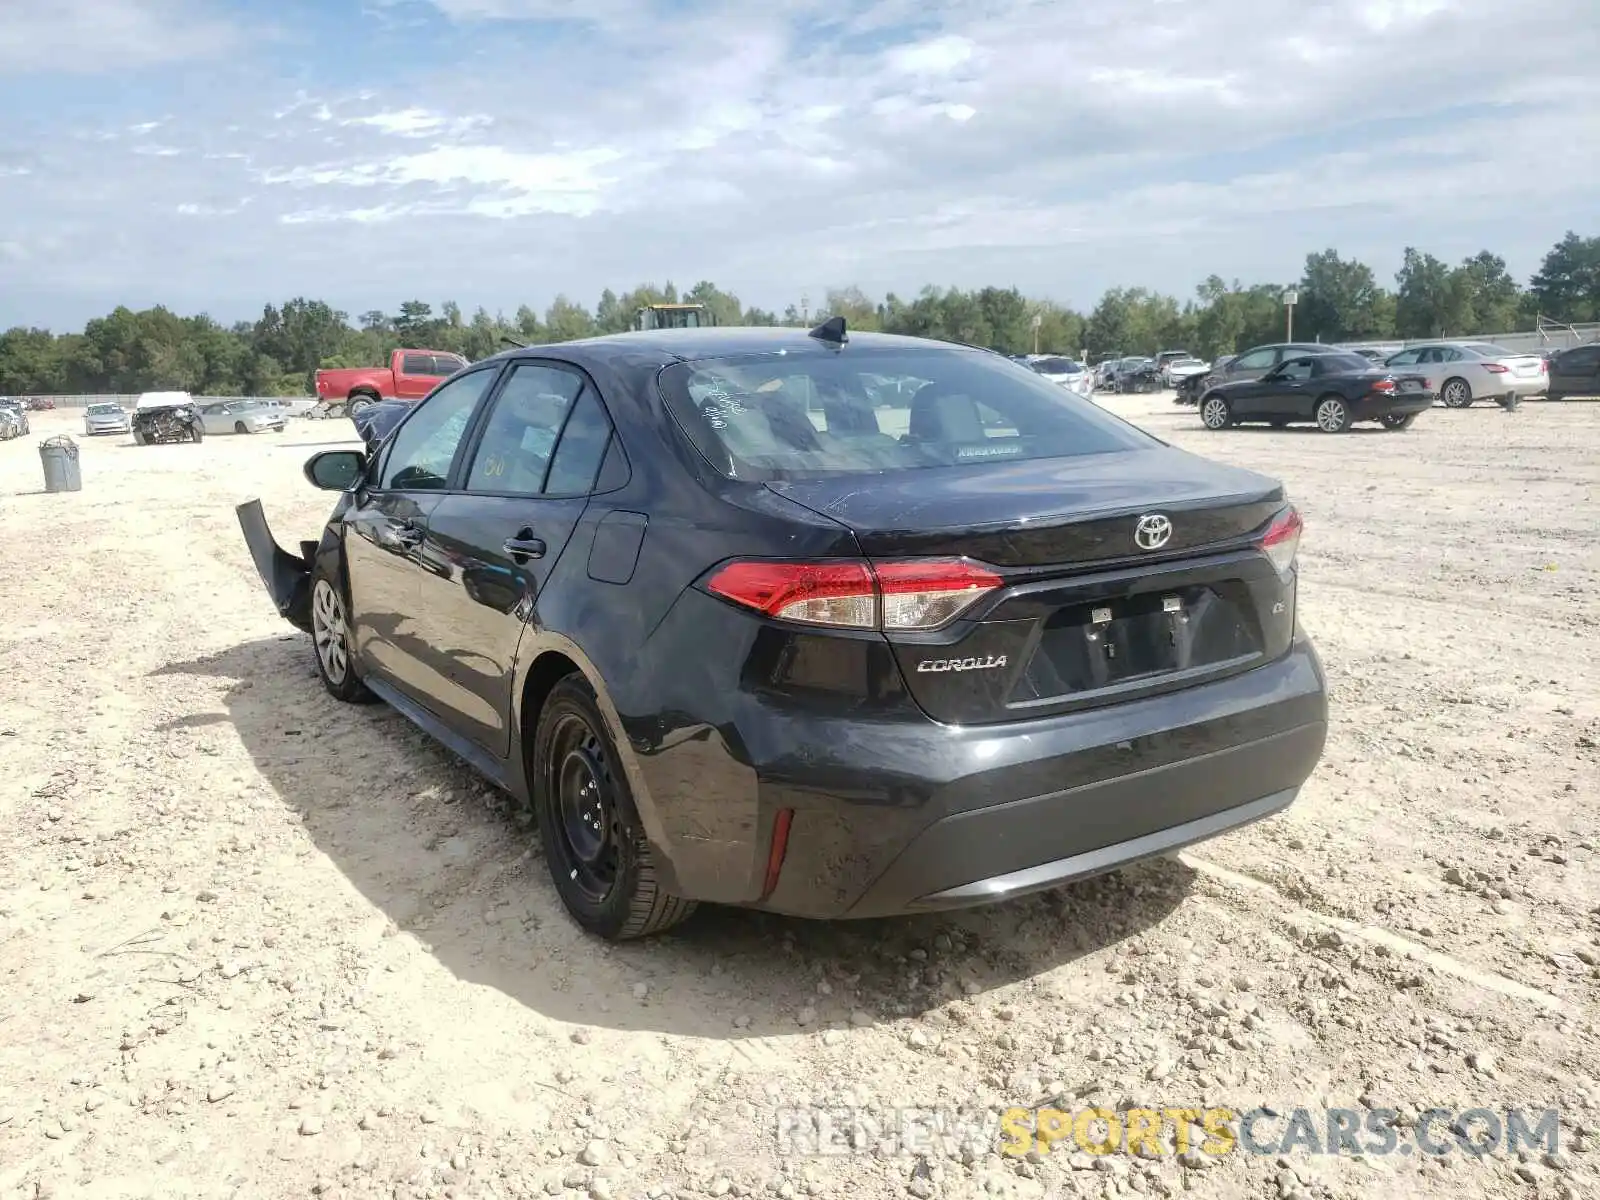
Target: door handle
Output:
{"points": [[407, 534], [523, 547]]}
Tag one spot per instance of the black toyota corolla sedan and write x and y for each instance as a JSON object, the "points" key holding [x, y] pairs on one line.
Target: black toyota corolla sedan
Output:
{"points": [[825, 624]]}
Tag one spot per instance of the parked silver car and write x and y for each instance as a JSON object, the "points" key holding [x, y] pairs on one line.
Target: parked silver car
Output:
{"points": [[241, 416], [106, 418], [1462, 372]]}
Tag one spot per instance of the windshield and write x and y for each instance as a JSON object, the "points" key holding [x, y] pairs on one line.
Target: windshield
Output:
{"points": [[1057, 366], [800, 415], [103, 410], [1344, 362]]}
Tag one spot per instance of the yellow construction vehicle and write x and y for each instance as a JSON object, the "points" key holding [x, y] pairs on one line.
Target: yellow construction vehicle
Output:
{"points": [[671, 316]]}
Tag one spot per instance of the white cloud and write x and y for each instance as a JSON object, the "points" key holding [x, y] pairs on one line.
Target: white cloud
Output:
{"points": [[87, 36], [559, 145]]}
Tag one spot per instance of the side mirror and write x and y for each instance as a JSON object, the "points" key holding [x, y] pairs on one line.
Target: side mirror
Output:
{"points": [[335, 470]]}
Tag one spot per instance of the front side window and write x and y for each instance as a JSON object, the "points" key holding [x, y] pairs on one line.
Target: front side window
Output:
{"points": [[416, 364], [422, 449], [514, 453], [1296, 369], [803, 414]]}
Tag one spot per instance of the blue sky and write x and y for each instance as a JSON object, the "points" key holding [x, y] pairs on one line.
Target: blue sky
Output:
{"points": [[215, 155]]}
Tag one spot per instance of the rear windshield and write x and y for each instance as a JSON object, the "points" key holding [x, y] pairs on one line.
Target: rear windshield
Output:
{"points": [[787, 416], [1489, 350]]}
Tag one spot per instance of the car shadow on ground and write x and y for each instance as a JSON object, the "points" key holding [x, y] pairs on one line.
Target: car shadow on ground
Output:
{"points": [[367, 786]]}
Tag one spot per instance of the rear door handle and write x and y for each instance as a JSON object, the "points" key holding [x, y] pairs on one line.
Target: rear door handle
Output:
{"points": [[523, 547]]}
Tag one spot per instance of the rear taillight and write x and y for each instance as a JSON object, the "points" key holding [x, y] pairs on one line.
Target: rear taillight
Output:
{"points": [[916, 594], [1282, 539], [1383, 385], [1496, 368]]}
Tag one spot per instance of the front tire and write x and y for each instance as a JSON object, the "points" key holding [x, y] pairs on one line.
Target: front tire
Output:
{"points": [[138, 438], [1333, 414], [196, 433], [1215, 412], [1456, 393], [240, 427], [599, 859], [330, 639]]}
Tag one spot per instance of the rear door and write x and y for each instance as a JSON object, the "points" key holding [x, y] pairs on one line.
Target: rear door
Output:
{"points": [[385, 525], [492, 543]]}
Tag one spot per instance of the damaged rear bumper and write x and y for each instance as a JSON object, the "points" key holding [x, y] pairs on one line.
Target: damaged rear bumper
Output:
{"points": [[287, 576]]}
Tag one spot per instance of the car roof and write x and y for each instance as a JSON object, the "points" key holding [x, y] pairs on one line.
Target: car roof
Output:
{"points": [[718, 341]]}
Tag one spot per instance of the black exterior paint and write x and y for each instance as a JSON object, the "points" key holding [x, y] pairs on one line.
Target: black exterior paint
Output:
{"points": [[725, 718]]}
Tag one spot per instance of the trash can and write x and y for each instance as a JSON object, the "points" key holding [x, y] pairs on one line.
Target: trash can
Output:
{"points": [[60, 457]]}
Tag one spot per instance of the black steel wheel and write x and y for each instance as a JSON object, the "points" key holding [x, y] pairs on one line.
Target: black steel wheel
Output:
{"points": [[599, 859]]}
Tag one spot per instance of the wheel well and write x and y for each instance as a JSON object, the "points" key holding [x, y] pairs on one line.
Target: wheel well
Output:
{"points": [[1333, 396], [362, 393], [549, 669]]}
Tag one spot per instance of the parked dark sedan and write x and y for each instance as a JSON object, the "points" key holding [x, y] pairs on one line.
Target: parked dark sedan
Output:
{"points": [[1575, 371], [1333, 390], [737, 634]]}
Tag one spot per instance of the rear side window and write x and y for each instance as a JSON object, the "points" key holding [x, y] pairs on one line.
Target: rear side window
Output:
{"points": [[416, 364], [797, 415], [1255, 360], [446, 364], [514, 452]]}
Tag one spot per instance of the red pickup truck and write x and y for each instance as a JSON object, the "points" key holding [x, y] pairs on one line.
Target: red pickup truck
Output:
{"points": [[410, 375]]}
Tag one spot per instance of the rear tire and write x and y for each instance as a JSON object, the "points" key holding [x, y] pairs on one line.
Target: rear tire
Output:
{"points": [[599, 860], [330, 640], [1456, 393], [1215, 412], [1333, 414], [357, 403], [1398, 422]]}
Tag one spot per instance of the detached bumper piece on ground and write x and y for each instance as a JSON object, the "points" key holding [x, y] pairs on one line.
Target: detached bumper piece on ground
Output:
{"points": [[740, 631]]}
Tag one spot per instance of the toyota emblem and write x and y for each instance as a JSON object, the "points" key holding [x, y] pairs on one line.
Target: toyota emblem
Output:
{"points": [[1152, 532]]}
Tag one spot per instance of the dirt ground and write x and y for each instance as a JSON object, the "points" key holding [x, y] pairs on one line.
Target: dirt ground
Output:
{"points": [[254, 943]]}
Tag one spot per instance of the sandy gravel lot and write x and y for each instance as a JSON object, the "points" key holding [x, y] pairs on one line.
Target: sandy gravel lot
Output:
{"points": [[257, 944]]}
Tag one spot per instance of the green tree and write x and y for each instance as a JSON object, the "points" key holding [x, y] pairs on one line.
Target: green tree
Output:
{"points": [[1567, 285], [1340, 300]]}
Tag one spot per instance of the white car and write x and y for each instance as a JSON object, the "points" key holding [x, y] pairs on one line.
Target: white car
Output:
{"points": [[1068, 372], [241, 416], [293, 407], [106, 418], [1176, 370], [1462, 372]]}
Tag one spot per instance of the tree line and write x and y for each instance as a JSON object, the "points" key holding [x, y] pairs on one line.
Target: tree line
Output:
{"points": [[1339, 299]]}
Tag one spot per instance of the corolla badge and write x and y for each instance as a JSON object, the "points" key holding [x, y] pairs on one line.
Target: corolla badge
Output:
{"points": [[1153, 531], [989, 663]]}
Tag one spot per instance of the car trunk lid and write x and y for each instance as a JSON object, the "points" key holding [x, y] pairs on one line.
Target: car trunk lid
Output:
{"points": [[1088, 612]]}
